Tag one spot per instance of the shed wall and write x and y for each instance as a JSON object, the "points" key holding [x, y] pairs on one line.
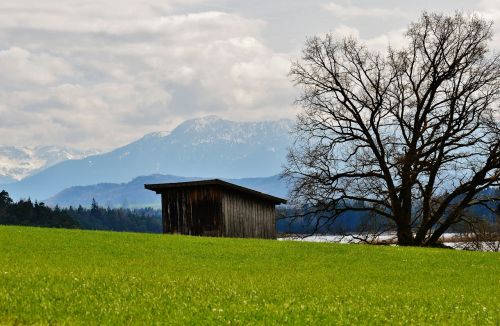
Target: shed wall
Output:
{"points": [[193, 211], [247, 217]]}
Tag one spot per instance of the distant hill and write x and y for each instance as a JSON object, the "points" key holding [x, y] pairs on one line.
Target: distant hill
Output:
{"points": [[206, 147], [133, 194]]}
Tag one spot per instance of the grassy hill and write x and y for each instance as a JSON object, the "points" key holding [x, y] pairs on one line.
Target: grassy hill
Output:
{"points": [[73, 276]]}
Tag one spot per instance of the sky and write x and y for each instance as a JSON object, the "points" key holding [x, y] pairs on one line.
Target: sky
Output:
{"points": [[102, 73]]}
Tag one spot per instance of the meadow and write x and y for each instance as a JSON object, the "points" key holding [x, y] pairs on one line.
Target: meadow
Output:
{"points": [[56, 276]]}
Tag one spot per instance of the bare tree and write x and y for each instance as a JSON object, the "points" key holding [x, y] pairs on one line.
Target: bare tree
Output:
{"points": [[482, 235], [412, 134]]}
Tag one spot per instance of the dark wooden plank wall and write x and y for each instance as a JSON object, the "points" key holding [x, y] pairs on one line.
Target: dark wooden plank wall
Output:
{"points": [[248, 217], [194, 211]]}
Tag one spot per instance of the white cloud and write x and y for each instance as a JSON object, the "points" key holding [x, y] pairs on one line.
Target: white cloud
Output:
{"points": [[490, 9], [394, 38], [381, 42], [19, 67], [346, 31], [101, 73], [349, 11]]}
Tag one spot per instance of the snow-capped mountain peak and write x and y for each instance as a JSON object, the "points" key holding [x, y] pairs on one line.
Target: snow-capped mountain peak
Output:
{"points": [[203, 147], [156, 135], [213, 129], [17, 163]]}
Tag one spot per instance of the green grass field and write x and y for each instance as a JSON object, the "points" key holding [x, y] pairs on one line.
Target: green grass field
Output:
{"points": [[52, 276]]}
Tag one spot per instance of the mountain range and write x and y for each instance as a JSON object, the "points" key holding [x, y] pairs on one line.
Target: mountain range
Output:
{"points": [[132, 194], [208, 147], [17, 163]]}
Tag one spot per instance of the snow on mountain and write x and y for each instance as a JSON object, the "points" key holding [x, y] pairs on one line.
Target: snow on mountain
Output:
{"points": [[17, 163], [206, 147], [213, 129]]}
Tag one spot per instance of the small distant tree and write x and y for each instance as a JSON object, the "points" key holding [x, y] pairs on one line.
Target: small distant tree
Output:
{"points": [[413, 134], [5, 204], [5, 200], [94, 209]]}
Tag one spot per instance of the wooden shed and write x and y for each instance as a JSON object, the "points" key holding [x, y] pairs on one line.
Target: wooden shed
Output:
{"points": [[217, 208]]}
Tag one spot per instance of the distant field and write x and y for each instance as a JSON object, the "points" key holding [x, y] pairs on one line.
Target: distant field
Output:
{"points": [[87, 277]]}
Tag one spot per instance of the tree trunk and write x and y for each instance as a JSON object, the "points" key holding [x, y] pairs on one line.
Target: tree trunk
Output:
{"points": [[433, 240], [405, 236]]}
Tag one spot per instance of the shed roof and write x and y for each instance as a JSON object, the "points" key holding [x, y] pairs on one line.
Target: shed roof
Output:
{"points": [[158, 187]]}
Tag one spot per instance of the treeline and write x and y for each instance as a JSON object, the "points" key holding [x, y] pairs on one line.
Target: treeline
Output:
{"points": [[305, 220], [28, 213], [301, 221], [116, 219]]}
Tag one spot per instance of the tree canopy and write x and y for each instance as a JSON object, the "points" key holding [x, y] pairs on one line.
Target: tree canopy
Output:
{"points": [[411, 136]]}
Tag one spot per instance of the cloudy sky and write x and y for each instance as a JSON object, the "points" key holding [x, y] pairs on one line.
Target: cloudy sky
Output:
{"points": [[102, 73]]}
